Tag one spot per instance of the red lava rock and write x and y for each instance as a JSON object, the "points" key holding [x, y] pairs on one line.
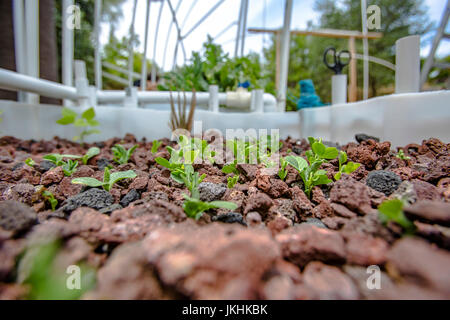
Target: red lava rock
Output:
{"points": [[283, 208], [407, 173], [248, 170], [126, 275], [22, 192], [278, 224], [69, 189], [327, 282], [323, 210], [418, 261], [368, 152], [342, 211], [253, 219], [301, 202], [12, 291], [425, 190], [9, 251], [168, 211], [54, 175], [432, 211], [284, 282], [317, 195], [304, 243], [352, 194], [16, 216], [273, 187], [260, 202], [334, 223], [434, 233], [376, 197], [83, 171], [365, 250], [26, 174], [220, 261]]}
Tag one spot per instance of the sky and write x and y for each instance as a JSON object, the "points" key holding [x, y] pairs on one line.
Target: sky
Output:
{"points": [[261, 13]]}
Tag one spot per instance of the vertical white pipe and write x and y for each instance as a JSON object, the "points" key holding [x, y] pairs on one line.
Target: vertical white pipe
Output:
{"points": [[144, 58], [32, 35], [239, 27], [67, 45], [257, 101], [407, 64], [284, 63], [98, 58], [131, 47], [213, 102], [156, 43], [244, 27], [365, 51], [19, 42], [339, 89]]}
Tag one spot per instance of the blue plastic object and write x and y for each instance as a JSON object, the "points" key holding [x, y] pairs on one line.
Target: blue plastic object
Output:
{"points": [[244, 85], [308, 97]]}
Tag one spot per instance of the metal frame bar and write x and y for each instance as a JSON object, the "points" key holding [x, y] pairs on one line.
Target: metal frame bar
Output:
{"points": [[97, 56], [284, 62], [153, 74], [144, 58], [131, 47]]}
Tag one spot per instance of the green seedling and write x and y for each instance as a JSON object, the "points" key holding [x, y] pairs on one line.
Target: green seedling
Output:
{"points": [[194, 148], [231, 181], [47, 279], [57, 159], [392, 210], [231, 168], [401, 155], [30, 162], [50, 198], [320, 152], [345, 168], [282, 173], [195, 208], [109, 179], [92, 152], [155, 146], [85, 121], [69, 167], [121, 155]]}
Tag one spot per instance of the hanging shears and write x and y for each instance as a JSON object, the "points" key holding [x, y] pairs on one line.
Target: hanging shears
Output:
{"points": [[339, 61]]}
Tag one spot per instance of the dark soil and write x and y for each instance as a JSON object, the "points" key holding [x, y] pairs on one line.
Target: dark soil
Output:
{"points": [[278, 243]]}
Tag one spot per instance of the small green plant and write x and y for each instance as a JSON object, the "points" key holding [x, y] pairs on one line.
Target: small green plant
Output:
{"points": [[92, 152], [195, 208], [345, 168], [50, 198], [47, 280], [109, 179], [85, 121], [392, 210], [155, 146], [122, 155], [310, 173], [69, 167], [231, 181], [282, 173], [58, 159], [30, 162], [401, 155]]}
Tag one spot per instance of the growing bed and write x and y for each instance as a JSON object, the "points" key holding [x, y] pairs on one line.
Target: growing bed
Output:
{"points": [[277, 243]]}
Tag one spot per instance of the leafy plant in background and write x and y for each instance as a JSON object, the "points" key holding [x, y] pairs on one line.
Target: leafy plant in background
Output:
{"points": [[345, 168], [122, 155], [155, 146], [392, 210], [50, 198], [69, 167], [85, 121], [46, 281], [30, 162], [178, 119], [92, 152], [109, 179], [195, 208], [401, 155]]}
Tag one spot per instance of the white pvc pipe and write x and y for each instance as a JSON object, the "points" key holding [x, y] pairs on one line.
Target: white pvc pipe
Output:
{"points": [[244, 27], [144, 59], [97, 58], [407, 56], [32, 36], [365, 51], [15, 81], [213, 102], [284, 56], [339, 89], [67, 45], [131, 47], [19, 41], [257, 100]]}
